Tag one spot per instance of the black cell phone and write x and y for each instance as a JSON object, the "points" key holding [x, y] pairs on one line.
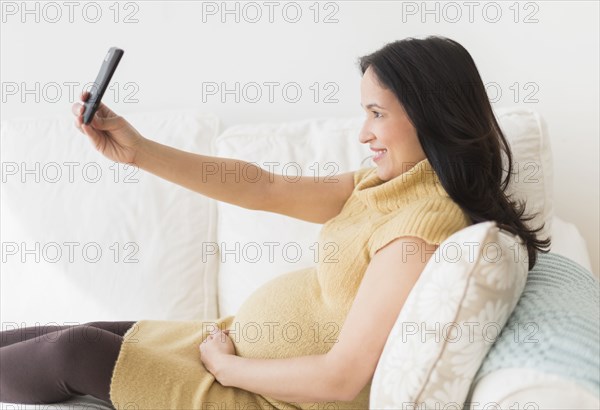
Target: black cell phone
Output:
{"points": [[109, 65]]}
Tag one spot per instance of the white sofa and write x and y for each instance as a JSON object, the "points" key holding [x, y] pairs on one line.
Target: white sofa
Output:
{"points": [[115, 244]]}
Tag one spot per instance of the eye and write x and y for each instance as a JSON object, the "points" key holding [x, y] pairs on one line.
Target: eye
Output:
{"points": [[376, 114]]}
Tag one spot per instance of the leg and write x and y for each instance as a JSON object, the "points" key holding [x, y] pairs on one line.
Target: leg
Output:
{"points": [[8, 337], [118, 328], [74, 361]]}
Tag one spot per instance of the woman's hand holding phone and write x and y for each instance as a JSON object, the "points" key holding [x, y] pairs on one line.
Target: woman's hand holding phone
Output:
{"points": [[110, 133]]}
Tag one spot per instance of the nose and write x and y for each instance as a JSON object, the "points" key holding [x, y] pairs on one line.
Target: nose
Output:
{"points": [[365, 135]]}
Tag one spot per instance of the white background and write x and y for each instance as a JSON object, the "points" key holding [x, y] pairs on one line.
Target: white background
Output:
{"points": [[175, 47]]}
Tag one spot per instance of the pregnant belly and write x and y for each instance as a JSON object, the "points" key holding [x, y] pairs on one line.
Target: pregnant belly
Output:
{"points": [[285, 317]]}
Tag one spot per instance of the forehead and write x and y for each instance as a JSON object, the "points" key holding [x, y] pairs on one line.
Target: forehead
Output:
{"points": [[372, 92], [369, 80]]}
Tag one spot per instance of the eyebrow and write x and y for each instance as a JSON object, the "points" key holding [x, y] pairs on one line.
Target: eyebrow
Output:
{"points": [[371, 105]]}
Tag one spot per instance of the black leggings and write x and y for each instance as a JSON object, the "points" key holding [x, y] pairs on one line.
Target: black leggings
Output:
{"points": [[50, 364]]}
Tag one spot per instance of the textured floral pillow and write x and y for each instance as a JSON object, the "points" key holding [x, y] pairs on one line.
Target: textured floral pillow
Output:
{"points": [[453, 315]]}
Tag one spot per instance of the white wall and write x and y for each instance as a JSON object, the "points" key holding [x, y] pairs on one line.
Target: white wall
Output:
{"points": [[176, 47]]}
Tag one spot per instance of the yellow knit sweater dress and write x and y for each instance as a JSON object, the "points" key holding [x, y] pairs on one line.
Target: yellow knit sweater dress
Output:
{"points": [[298, 313]]}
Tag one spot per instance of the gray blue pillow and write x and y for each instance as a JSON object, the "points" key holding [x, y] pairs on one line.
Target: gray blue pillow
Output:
{"points": [[555, 327]]}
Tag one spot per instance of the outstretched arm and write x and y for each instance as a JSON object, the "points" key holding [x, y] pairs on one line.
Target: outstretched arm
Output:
{"points": [[225, 179]]}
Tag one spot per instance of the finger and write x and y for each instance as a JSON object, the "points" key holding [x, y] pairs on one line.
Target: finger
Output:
{"points": [[99, 123], [85, 95], [108, 123], [77, 109], [87, 130], [104, 111], [94, 136], [78, 125]]}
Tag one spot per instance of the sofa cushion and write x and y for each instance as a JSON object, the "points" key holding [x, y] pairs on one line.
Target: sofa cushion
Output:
{"points": [[149, 232], [527, 135], [528, 388], [568, 241], [450, 319]]}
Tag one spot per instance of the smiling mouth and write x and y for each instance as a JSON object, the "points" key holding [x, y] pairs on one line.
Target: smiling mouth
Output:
{"points": [[379, 154]]}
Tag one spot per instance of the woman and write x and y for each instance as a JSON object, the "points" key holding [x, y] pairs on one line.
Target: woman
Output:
{"points": [[438, 169]]}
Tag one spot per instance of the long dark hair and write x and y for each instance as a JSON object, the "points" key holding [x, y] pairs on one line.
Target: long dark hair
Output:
{"points": [[438, 84]]}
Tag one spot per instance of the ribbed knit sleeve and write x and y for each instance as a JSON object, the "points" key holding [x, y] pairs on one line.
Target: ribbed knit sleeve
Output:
{"points": [[433, 220]]}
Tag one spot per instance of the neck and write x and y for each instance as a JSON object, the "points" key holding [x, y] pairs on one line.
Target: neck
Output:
{"points": [[418, 182]]}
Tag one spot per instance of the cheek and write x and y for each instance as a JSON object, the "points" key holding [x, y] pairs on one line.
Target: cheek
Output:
{"points": [[388, 134], [408, 130], [401, 133]]}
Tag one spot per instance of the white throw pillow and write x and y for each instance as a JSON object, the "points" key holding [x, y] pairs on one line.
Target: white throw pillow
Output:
{"points": [[527, 134], [149, 231], [450, 319], [332, 146], [567, 241]]}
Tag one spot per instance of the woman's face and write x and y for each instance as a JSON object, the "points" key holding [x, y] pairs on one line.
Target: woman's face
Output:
{"points": [[388, 127]]}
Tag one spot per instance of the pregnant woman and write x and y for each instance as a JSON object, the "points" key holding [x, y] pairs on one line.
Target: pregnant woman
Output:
{"points": [[310, 338]]}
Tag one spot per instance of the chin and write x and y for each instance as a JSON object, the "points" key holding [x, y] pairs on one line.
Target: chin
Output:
{"points": [[382, 173]]}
